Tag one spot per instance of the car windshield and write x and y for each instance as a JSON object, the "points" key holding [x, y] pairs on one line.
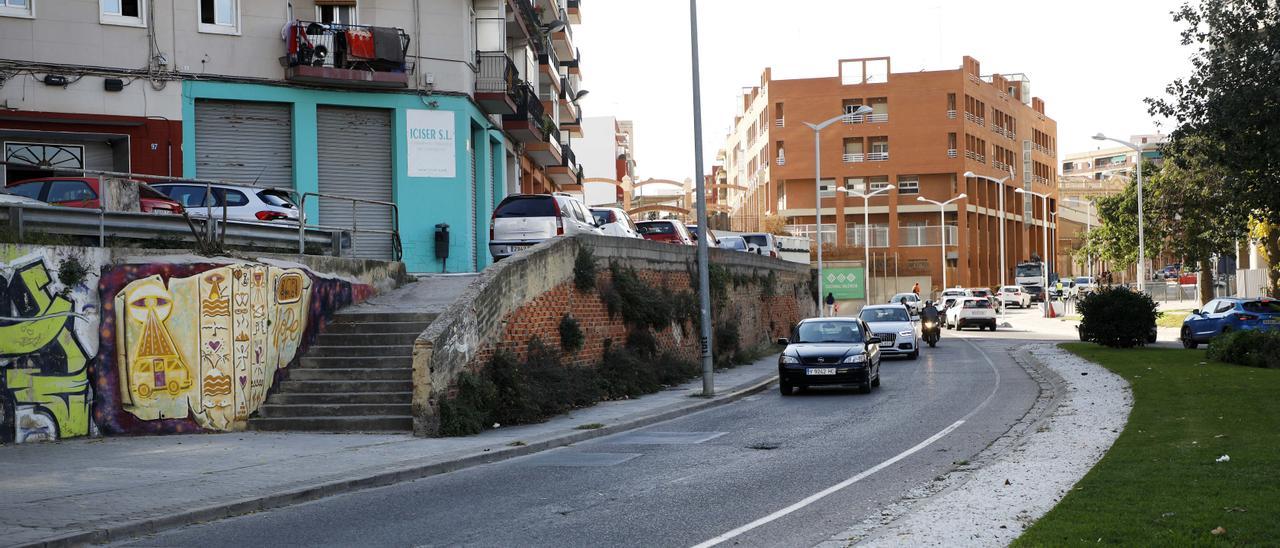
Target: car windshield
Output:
{"points": [[278, 198], [977, 303], [1083, 281], [734, 243], [526, 206], [829, 332], [1029, 271], [603, 216], [892, 314], [1010, 289], [1262, 307], [145, 191], [953, 292], [979, 292], [758, 240], [656, 228]]}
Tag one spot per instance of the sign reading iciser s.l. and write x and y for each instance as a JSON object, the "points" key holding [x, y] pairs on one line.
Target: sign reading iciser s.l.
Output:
{"points": [[432, 143]]}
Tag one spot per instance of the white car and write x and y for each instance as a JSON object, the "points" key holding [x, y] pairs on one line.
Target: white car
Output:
{"points": [[243, 203], [614, 222], [733, 243], [762, 243], [971, 312], [14, 199], [1084, 286], [898, 334], [1014, 295], [909, 300], [524, 220]]}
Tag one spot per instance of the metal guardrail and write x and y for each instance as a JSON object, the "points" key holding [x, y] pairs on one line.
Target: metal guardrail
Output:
{"points": [[397, 248]]}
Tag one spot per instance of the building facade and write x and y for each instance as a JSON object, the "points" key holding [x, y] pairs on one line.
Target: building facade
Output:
{"points": [[439, 109], [925, 130], [608, 161]]}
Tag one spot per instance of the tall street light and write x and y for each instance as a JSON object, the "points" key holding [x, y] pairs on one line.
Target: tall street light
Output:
{"points": [[1088, 225], [1004, 268], [1142, 249], [704, 276], [866, 235], [1044, 267], [817, 187], [942, 217]]}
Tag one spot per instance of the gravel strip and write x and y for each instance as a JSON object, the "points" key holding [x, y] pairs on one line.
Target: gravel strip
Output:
{"points": [[1020, 477]]}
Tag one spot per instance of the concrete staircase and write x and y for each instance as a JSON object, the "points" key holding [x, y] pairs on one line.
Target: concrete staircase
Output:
{"points": [[356, 378]]}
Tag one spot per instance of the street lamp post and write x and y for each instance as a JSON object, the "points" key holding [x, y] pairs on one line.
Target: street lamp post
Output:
{"points": [[1004, 268], [1045, 267], [866, 235], [704, 266], [942, 218], [817, 189], [1142, 250]]}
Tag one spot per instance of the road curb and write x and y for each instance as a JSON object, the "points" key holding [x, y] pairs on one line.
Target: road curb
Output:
{"points": [[130, 529]]}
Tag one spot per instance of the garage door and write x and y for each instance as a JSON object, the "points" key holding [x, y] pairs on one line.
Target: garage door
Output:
{"points": [[354, 146], [245, 141]]}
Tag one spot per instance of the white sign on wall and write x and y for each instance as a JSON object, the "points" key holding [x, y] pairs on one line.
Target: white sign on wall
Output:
{"points": [[431, 143]]}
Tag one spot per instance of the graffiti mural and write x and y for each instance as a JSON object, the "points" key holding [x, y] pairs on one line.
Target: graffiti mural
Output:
{"points": [[207, 346], [48, 344]]}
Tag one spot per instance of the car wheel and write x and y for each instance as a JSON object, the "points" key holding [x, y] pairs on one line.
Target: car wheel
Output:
{"points": [[784, 387], [1188, 342], [865, 388], [915, 354], [876, 381], [993, 328]]}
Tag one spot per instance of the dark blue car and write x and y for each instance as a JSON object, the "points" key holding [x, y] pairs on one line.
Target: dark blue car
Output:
{"points": [[1225, 315]]}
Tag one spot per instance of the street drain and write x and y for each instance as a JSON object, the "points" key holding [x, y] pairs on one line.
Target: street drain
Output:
{"points": [[764, 446]]}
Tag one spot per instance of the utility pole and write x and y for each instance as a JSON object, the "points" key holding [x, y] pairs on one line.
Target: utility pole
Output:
{"points": [[704, 266]]}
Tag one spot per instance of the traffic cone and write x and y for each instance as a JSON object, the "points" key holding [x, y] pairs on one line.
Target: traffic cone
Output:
{"points": [[1049, 305]]}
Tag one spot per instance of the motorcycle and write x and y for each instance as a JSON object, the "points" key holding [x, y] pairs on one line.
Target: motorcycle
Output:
{"points": [[931, 331]]}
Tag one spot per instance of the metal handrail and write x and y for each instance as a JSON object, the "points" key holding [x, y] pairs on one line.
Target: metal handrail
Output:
{"points": [[355, 225]]}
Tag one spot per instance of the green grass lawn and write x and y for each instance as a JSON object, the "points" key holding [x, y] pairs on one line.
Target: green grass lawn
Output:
{"points": [[1172, 318], [1159, 484]]}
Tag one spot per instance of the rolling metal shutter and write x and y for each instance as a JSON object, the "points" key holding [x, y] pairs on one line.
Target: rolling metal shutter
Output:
{"points": [[245, 141], [354, 147], [475, 266]]}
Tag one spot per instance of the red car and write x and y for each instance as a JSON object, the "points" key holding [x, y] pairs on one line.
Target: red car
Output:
{"points": [[84, 192], [672, 232]]}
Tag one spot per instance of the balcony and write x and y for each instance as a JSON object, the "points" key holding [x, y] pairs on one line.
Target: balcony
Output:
{"points": [[951, 114], [975, 156], [975, 119], [566, 172], [496, 82], [924, 236], [525, 124], [575, 11], [780, 122], [878, 156], [951, 153], [548, 151], [562, 40], [856, 235], [1003, 167], [854, 157], [874, 118], [354, 56]]}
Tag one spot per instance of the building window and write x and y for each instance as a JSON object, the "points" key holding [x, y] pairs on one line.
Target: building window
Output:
{"points": [[828, 188], [908, 185], [879, 183], [220, 16], [851, 105], [856, 184], [343, 14], [121, 12], [15, 8]]}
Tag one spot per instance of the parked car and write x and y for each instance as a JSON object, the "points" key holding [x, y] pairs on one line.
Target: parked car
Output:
{"points": [[948, 302], [735, 243], [1221, 316], [762, 243], [1066, 291], [829, 352], [243, 203], [970, 312], [893, 326], [672, 232], [987, 294], [1036, 292], [1084, 285], [523, 220], [614, 222], [697, 233], [84, 192], [910, 300], [7, 198], [1015, 295]]}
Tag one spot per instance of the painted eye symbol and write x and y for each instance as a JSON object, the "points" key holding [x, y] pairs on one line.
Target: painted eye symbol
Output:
{"points": [[140, 302], [161, 301]]}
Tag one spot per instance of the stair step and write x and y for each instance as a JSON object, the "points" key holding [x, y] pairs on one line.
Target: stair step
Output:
{"points": [[391, 423], [332, 387], [361, 317], [377, 327], [376, 362], [340, 397], [301, 410], [366, 339], [348, 351], [352, 374]]}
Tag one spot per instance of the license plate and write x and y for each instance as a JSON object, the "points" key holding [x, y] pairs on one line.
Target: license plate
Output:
{"points": [[886, 344], [1271, 322], [509, 249], [821, 371]]}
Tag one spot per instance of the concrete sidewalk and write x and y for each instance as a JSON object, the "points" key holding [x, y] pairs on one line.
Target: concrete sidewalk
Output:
{"points": [[105, 489]]}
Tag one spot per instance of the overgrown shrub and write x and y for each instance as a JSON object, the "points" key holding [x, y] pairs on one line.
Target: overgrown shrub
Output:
{"points": [[471, 410], [571, 336], [768, 286], [641, 305], [1118, 317], [584, 269], [1251, 348], [642, 342], [72, 273], [728, 343]]}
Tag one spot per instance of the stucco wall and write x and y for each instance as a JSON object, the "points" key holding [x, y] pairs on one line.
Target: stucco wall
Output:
{"points": [[527, 295]]}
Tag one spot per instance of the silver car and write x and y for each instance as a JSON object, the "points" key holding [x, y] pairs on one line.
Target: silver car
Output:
{"points": [[524, 220], [899, 336], [243, 203]]}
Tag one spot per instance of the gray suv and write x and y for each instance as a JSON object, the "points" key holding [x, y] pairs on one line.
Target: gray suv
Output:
{"points": [[524, 220]]}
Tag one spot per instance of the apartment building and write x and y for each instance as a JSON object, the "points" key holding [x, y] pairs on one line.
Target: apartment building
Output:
{"points": [[1090, 175], [924, 131], [440, 108], [607, 156]]}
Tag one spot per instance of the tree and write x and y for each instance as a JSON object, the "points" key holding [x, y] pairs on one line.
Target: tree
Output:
{"points": [[776, 225], [1232, 98], [1115, 239]]}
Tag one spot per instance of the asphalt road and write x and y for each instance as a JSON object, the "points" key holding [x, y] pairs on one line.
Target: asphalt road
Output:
{"points": [[765, 471]]}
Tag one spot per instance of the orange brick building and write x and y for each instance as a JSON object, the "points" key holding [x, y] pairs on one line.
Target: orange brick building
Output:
{"points": [[925, 130]]}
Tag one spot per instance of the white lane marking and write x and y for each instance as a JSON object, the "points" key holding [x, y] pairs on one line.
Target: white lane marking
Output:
{"points": [[855, 479]]}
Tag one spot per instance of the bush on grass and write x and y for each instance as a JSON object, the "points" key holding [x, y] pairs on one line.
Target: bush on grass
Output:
{"points": [[1118, 317], [1250, 348]]}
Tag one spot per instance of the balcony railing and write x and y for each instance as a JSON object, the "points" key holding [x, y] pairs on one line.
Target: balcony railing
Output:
{"points": [[951, 153], [975, 156], [951, 114], [975, 118], [920, 236], [1003, 167], [854, 157], [878, 156], [856, 235], [877, 118], [497, 73], [880, 117], [782, 160], [780, 122], [350, 55]]}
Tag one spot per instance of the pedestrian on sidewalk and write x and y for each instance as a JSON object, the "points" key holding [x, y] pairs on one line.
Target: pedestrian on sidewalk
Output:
{"points": [[916, 289]]}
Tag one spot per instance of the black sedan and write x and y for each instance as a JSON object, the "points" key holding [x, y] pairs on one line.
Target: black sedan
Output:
{"points": [[829, 352]]}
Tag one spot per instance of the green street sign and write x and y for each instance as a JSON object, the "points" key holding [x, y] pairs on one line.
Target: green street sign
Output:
{"points": [[845, 283]]}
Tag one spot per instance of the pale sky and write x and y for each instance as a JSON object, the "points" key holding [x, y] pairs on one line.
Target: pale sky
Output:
{"points": [[1092, 61]]}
